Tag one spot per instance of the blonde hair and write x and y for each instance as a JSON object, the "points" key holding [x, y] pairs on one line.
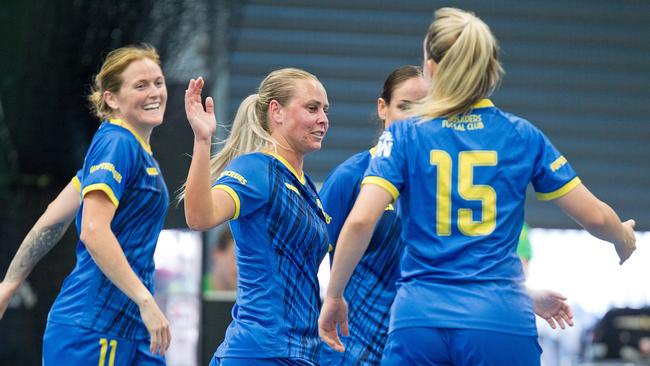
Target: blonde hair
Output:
{"points": [[251, 130], [109, 77], [468, 68]]}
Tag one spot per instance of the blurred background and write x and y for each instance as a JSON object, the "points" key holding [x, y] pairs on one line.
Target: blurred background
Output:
{"points": [[579, 70]]}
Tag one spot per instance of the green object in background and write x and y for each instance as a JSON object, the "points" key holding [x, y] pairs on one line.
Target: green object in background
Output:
{"points": [[524, 249]]}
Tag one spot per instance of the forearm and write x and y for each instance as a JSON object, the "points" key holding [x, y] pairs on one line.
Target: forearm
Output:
{"points": [[36, 244], [198, 204], [352, 244], [43, 236], [609, 227], [109, 257]]}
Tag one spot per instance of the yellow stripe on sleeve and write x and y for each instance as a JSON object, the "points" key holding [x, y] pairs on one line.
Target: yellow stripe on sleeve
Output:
{"points": [[76, 183], [104, 188], [559, 192], [383, 183], [235, 198]]}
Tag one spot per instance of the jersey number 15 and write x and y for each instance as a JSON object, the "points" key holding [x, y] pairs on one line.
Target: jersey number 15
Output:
{"points": [[467, 190]]}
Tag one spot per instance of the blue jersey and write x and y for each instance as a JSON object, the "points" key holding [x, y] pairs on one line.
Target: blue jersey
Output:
{"points": [[372, 288], [121, 165], [280, 235], [463, 184]]}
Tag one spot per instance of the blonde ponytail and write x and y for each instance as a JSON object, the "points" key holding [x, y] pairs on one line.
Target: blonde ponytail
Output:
{"points": [[248, 134], [468, 68]]}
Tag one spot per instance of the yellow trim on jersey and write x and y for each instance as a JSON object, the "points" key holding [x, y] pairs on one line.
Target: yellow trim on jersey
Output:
{"points": [[372, 150], [286, 163], [291, 187], [383, 183], [119, 122], [101, 187], [559, 192], [235, 198], [76, 183], [152, 171], [330, 248], [484, 103]]}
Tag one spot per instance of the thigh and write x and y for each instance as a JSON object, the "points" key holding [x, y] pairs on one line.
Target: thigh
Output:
{"points": [[487, 348], [72, 346], [416, 346], [232, 361]]}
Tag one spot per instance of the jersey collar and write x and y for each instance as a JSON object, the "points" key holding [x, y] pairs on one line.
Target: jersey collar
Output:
{"points": [[301, 179], [483, 103], [121, 123]]}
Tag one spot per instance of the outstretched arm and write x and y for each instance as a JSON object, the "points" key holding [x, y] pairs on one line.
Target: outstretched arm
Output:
{"points": [[204, 208], [352, 243], [552, 307], [599, 220], [44, 235]]}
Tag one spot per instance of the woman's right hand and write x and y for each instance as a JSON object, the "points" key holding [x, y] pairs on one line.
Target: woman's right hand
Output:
{"points": [[157, 326], [202, 120]]}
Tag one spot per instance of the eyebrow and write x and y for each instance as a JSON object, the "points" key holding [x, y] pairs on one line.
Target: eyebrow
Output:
{"points": [[318, 103]]}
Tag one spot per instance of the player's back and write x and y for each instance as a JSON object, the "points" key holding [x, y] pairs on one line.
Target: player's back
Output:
{"points": [[463, 183]]}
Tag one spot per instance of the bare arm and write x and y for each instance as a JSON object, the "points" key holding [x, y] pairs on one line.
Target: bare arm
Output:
{"points": [[599, 220], [107, 253], [43, 236], [352, 243], [204, 207]]}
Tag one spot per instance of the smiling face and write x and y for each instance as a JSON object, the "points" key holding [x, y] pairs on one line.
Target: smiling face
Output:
{"points": [[405, 94], [142, 97], [302, 123]]}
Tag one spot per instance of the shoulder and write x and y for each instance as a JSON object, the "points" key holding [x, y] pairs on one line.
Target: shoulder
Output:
{"points": [[250, 161], [524, 128], [111, 140], [247, 167], [114, 136]]}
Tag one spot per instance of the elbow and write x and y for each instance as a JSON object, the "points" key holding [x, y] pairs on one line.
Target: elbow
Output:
{"points": [[89, 232], [361, 223], [195, 222]]}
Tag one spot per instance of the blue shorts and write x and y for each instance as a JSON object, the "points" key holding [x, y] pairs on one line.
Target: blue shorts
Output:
{"points": [[75, 346], [442, 346], [233, 361]]}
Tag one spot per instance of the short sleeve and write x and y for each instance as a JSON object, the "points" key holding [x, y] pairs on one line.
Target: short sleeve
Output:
{"points": [[338, 194], [553, 176], [388, 163], [76, 180], [108, 165], [246, 180]]}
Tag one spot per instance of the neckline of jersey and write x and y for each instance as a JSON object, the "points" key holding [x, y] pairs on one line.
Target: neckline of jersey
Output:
{"points": [[483, 103], [284, 162], [121, 123]]}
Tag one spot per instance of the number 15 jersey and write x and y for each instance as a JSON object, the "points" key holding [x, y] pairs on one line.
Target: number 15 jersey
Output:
{"points": [[463, 184]]}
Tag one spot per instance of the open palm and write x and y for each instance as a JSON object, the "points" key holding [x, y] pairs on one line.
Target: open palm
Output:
{"points": [[201, 119]]}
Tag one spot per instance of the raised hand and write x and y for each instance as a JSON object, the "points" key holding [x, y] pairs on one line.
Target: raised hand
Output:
{"points": [[628, 246], [333, 312], [157, 326], [201, 119], [552, 307]]}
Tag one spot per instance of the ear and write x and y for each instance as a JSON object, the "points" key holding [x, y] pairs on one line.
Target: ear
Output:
{"points": [[382, 108], [430, 68], [110, 99], [276, 112]]}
